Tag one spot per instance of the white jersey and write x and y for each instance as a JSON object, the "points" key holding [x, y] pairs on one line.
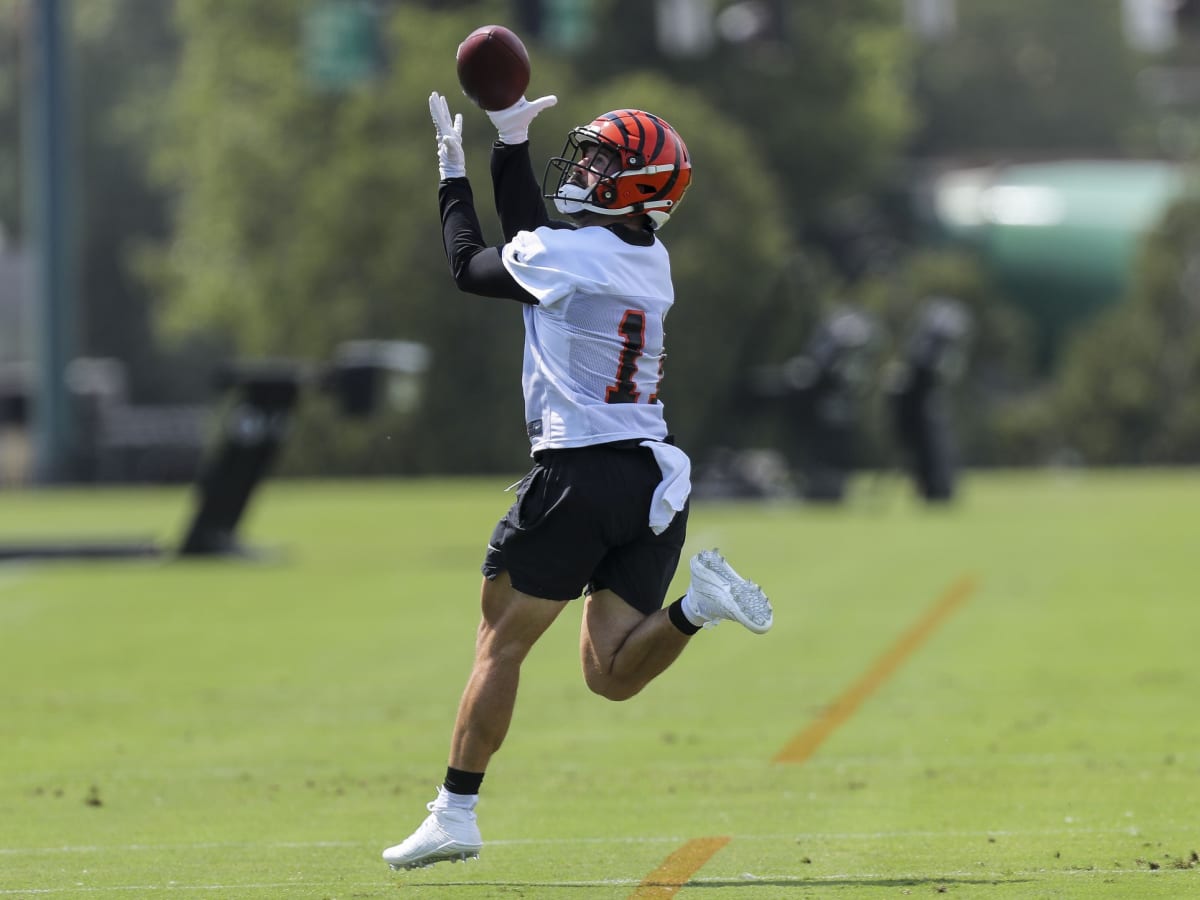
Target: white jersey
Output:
{"points": [[594, 343]]}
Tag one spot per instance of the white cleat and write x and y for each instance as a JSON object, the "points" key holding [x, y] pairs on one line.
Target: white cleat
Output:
{"points": [[718, 593], [446, 834]]}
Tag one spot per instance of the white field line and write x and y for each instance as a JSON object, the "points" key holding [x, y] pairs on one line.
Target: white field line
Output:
{"points": [[535, 842], [973, 876]]}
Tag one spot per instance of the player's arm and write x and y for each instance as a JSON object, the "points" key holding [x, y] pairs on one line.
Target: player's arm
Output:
{"points": [[476, 267], [517, 193]]}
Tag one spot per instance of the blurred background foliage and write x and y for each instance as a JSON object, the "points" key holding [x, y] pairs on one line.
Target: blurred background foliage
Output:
{"points": [[1129, 387], [1055, 79], [238, 202]]}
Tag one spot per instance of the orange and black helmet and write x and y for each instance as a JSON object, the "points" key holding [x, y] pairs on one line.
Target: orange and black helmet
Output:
{"points": [[651, 174]]}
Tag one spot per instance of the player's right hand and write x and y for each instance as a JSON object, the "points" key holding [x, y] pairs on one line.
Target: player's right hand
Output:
{"points": [[452, 161], [513, 123]]}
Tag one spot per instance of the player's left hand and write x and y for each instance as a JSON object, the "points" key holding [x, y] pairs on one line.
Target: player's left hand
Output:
{"points": [[513, 123], [452, 161]]}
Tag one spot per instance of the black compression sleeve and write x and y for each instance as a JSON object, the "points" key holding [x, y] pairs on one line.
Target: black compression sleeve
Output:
{"points": [[517, 192], [476, 268]]}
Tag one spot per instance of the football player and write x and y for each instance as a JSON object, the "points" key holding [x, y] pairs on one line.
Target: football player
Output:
{"points": [[603, 512]]}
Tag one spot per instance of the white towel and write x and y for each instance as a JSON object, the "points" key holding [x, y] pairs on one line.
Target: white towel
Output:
{"points": [[673, 491]]}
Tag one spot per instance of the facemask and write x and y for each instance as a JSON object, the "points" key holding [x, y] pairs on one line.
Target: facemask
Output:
{"points": [[570, 198]]}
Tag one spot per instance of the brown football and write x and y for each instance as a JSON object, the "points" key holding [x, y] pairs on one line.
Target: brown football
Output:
{"points": [[493, 67]]}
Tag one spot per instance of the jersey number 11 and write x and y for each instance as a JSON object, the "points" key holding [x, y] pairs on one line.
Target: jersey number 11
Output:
{"points": [[633, 339]]}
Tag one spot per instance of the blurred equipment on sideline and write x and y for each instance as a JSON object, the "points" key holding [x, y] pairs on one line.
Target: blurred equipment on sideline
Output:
{"points": [[123, 442], [363, 376], [822, 392], [261, 395], [920, 417], [15, 450]]}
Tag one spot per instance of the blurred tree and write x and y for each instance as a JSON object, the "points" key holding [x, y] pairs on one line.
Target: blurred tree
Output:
{"points": [[115, 205], [1021, 79], [301, 216], [1129, 391], [728, 243], [819, 90], [1027, 77], [305, 218], [115, 105], [819, 86]]}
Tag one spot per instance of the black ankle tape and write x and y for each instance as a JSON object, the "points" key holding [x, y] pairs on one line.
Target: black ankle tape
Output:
{"points": [[460, 782], [679, 620]]}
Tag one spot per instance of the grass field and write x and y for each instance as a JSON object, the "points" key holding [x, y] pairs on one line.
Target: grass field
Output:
{"points": [[998, 699]]}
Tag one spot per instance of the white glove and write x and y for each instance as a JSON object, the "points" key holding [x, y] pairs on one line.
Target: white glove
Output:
{"points": [[452, 162], [513, 123]]}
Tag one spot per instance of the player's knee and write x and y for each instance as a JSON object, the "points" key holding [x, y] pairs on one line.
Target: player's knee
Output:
{"points": [[611, 688]]}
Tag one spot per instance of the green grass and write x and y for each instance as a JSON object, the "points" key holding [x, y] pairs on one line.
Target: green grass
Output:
{"points": [[264, 729]]}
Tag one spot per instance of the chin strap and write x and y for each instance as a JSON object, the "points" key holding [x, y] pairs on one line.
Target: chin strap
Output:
{"points": [[655, 210]]}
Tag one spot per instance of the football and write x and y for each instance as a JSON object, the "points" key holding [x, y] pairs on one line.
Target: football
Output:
{"points": [[493, 67]]}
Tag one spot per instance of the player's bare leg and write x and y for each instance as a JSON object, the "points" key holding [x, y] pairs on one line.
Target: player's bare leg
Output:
{"points": [[621, 649], [512, 622]]}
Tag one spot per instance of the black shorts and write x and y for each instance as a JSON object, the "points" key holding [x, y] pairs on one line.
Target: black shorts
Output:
{"points": [[580, 523]]}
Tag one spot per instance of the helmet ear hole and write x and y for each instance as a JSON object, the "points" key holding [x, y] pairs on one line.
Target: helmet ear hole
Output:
{"points": [[647, 189]]}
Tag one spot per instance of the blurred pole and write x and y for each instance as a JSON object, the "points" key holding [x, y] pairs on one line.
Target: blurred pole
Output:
{"points": [[50, 234]]}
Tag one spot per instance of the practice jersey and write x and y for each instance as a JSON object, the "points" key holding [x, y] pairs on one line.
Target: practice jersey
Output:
{"points": [[594, 342]]}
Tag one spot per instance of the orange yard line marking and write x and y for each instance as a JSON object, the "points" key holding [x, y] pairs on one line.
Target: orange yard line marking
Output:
{"points": [[803, 745], [678, 869]]}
